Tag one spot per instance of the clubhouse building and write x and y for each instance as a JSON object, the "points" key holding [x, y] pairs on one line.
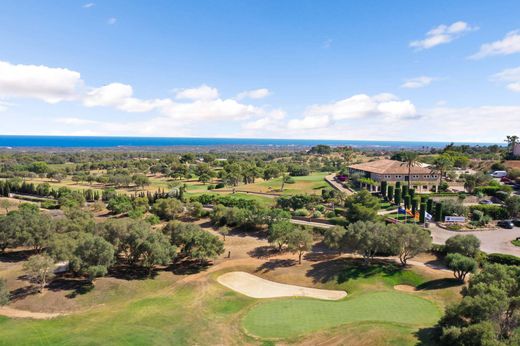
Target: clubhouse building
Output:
{"points": [[423, 179]]}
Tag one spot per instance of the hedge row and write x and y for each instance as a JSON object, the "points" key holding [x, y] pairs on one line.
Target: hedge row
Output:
{"points": [[503, 259], [494, 211]]}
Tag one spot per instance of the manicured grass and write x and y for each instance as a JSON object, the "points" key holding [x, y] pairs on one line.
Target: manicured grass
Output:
{"points": [[353, 276], [310, 184], [286, 318], [515, 242]]}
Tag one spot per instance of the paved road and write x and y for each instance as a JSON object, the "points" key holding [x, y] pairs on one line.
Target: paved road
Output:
{"points": [[330, 179], [491, 241]]}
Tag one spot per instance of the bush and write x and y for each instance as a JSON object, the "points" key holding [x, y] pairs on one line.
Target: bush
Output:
{"points": [[340, 221], [49, 205], [494, 211], [301, 212], [220, 186], [153, 220], [330, 214], [211, 187], [317, 214], [503, 259], [290, 180]]}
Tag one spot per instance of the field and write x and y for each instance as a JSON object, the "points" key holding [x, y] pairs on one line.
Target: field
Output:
{"points": [[179, 308]]}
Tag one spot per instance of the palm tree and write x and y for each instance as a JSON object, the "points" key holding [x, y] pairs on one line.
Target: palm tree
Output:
{"points": [[442, 164], [511, 142], [410, 160]]}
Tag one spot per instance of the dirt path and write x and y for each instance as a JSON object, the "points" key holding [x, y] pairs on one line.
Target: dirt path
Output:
{"points": [[15, 313], [256, 287]]}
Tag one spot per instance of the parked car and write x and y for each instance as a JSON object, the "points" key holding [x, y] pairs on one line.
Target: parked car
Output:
{"points": [[485, 201], [499, 174], [516, 222], [508, 224]]}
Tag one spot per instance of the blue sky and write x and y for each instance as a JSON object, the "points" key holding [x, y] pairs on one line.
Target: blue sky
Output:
{"points": [[400, 70]]}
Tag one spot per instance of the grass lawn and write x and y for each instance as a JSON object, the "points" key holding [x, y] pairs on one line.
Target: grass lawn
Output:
{"points": [[286, 318], [515, 242], [311, 184]]}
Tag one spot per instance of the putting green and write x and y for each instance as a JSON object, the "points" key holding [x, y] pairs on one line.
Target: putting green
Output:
{"points": [[287, 318]]}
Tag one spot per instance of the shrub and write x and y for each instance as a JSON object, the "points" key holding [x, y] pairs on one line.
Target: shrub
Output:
{"points": [[330, 214], [494, 211], [220, 186], [290, 180], [317, 214], [503, 259], [49, 205], [211, 187], [153, 220], [301, 212]]}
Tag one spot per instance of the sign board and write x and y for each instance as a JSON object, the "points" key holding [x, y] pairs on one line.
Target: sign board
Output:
{"points": [[454, 219]]}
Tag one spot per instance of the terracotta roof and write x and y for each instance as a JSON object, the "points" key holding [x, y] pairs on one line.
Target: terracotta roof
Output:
{"points": [[389, 167]]}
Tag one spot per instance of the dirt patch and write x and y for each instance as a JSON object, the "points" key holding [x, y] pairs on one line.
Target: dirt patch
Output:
{"points": [[405, 288], [15, 313], [256, 287]]}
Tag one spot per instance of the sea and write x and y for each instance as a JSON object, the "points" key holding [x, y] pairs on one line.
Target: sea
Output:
{"points": [[18, 141]]}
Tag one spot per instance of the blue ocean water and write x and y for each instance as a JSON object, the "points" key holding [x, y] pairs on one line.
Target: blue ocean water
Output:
{"points": [[10, 141]]}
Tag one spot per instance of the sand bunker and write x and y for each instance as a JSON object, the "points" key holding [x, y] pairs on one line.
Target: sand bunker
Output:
{"points": [[405, 288], [256, 287]]}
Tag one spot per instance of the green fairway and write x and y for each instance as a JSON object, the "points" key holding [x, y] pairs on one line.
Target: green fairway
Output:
{"points": [[288, 318]]}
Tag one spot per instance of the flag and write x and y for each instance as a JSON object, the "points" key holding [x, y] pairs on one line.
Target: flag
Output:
{"points": [[428, 216], [409, 212], [401, 210], [416, 216]]}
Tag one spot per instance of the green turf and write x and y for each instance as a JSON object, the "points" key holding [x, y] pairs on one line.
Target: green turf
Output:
{"points": [[286, 318]]}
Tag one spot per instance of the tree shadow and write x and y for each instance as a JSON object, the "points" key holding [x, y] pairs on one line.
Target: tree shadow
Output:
{"points": [[22, 292], [187, 266], [263, 252], [439, 284], [127, 272], [344, 269], [319, 256], [16, 256], [427, 336], [78, 286], [274, 264]]}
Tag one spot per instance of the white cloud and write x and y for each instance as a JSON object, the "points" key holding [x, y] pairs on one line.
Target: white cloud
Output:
{"points": [[88, 5], [511, 76], [510, 44], [49, 84], [120, 96], [3, 106], [310, 122], [442, 34], [74, 121], [111, 20], [271, 122], [212, 110], [254, 94], [202, 92], [417, 82], [359, 106]]}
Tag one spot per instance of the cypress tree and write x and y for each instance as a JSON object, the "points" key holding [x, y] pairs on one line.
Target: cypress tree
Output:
{"points": [[405, 191], [398, 196], [429, 206], [421, 212], [438, 211], [384, 186], [390, 193], [407, 201]]}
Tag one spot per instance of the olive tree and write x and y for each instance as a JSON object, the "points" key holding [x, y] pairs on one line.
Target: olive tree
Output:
{"points": [[299, 241], [461, 265], [409, 240], [40, 268]]}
